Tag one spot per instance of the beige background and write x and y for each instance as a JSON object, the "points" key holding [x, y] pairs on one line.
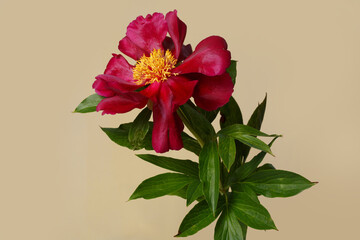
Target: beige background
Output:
{"points": [[61, 178]]}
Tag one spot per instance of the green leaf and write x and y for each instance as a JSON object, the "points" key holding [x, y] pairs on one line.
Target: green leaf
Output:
{"points": [[198, 218], [257, 117], [236, 130], [209, 167], [248, 168], [89, 104], [209, 115], [240, 187], [230, 114], [190, 143], [119, 136], [228, 227], [277, 183], [139, 128], [182, 166], [227, 150], [180, 193], [255, 121], [161, 185], [194, 191], [197, 124], [266, 166], [232, 71], [250, 212]]}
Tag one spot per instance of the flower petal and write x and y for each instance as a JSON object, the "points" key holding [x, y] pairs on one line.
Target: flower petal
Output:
{"points": [[167, 125], [181, 88], [213, 92], [177, 31], [148, 33], [121, 103], [210, 58], [108, 85], [119, 67], [129, 48]]}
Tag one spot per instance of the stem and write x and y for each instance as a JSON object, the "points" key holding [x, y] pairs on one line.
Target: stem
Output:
{"points": [[188, 125]]}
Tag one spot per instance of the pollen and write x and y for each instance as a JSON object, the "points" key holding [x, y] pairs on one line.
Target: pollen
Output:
{"points": [[155, 68]]}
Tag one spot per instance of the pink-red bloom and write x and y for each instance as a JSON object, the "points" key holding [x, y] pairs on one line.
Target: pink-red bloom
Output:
{"points": [[166, 74]]}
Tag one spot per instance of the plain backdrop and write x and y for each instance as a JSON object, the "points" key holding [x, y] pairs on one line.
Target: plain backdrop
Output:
{"points": [[61, 178]]}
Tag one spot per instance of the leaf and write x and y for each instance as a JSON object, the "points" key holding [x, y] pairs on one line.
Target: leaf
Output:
{"points": [[119, 136], [89, 104], [248, 168], [194, 191], [227, 150], [198, 218], [209, 168], [277, 183], [228, 227], [139, 128], [209, 115], [250, 212], [161, 185], [257, 117], [240, 187], [230, 114], [190, 143], [232, 71], [180, 193], [196, 123], [266, 166], [182, 166], [255, 121], [241, 130]]}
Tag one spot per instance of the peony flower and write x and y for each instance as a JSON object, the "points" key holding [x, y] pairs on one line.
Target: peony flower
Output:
{"points": [[166, 74]]}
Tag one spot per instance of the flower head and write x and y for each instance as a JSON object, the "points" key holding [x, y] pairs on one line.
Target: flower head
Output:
{"points": [[166, 74]]}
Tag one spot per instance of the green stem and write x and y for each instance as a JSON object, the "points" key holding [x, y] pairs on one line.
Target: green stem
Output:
{"points": [[188, 125]]}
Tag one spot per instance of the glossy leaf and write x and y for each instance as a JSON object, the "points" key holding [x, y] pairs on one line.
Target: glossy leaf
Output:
{"points": [[209, 167], [232, 71], [252, 213], [227, 150], [187, 167], [257, 117], [139, 128], [277, 183], [230, 114], [196, 123], [89, 104], [255, 121], [248, 168], [236, 130], [266, 166], [209, 115], [198, 218], [228, 227], [190, 143], [240, 187], [194, 191], [161, 185]]}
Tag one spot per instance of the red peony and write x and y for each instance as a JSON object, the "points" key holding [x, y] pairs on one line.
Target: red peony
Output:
{"points": [[166, 74]]}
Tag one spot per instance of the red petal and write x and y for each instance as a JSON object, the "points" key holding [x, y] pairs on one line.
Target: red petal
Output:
{"points": [[148, 33], [181, 88], [119, 67], [213, 92], [121, 103], [177, 31], [152, 91], [167, 126], [210, 58], [130, 49], [109, 85]]}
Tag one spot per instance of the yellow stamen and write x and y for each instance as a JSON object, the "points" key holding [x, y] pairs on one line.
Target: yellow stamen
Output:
{"points": [[155, 68]]}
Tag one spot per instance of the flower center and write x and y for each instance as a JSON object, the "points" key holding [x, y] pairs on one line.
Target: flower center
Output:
{"points": [[155, 68]]}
